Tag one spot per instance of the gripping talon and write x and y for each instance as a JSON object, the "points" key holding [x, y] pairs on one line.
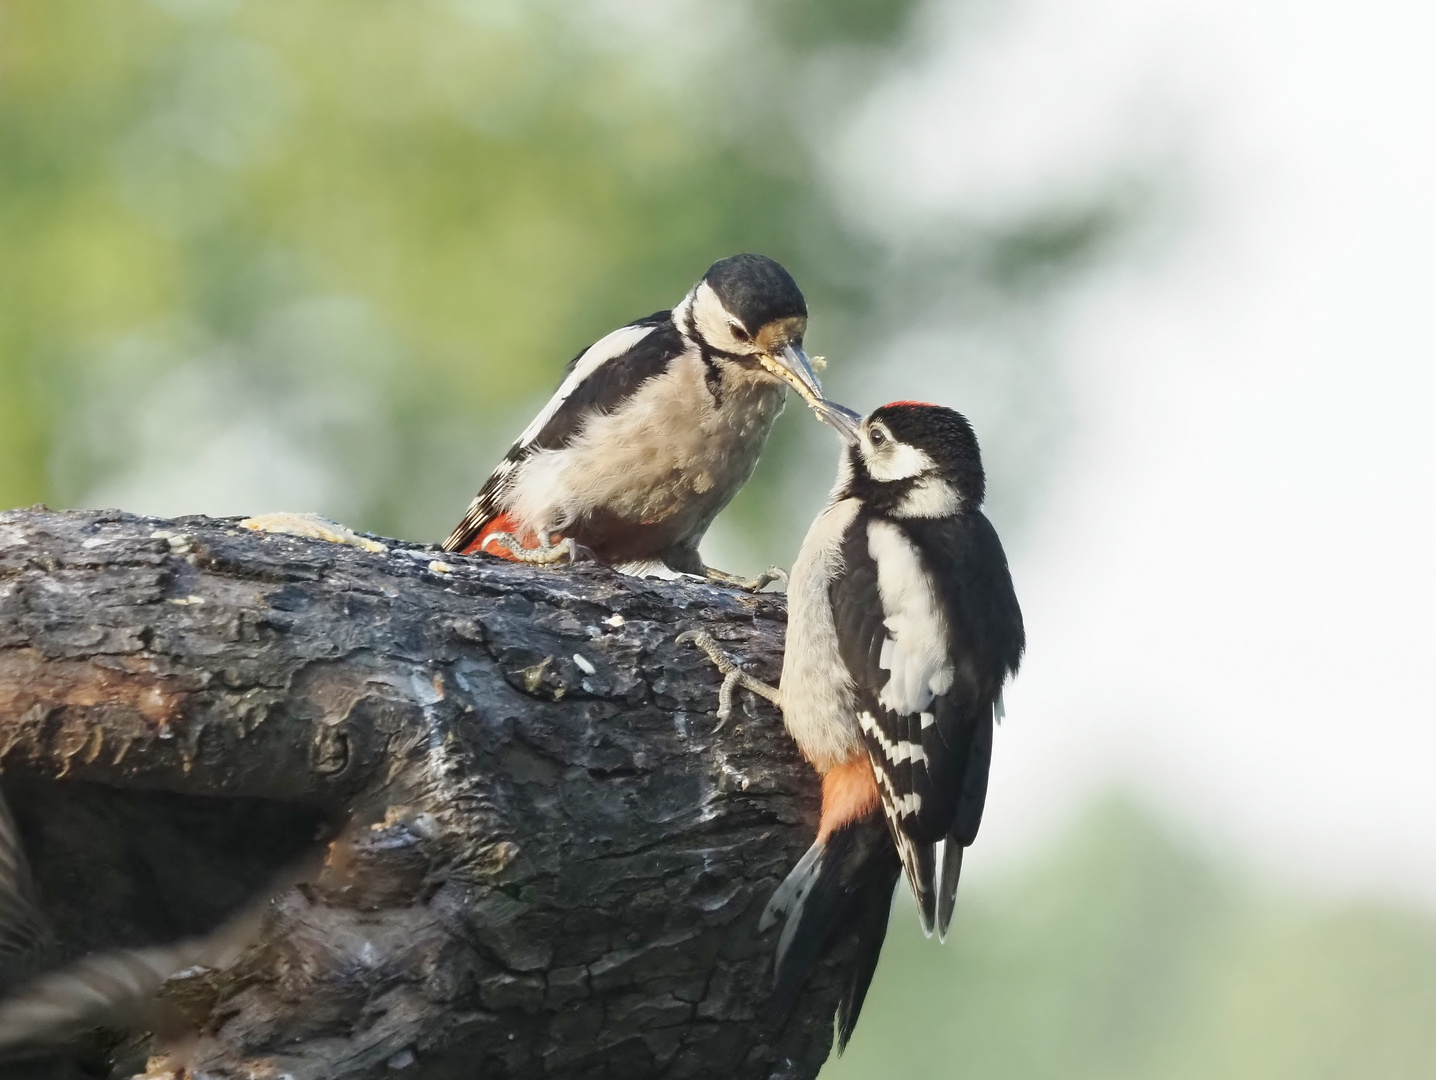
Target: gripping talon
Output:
{"points": [[725, 699], [733, 675], [545, 554], [752, 584]]}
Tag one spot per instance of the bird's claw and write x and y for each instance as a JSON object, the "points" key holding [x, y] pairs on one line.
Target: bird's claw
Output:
{"points": [[751, 584], [545, 554], [726, 665], [733, 675], [766, 578]]}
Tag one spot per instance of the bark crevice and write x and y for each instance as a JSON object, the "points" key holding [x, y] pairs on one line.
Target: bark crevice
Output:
{"points": [[560, 865]]}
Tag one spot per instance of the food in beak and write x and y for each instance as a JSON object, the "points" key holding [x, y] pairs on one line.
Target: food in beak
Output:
{"points": [[793, 367]]}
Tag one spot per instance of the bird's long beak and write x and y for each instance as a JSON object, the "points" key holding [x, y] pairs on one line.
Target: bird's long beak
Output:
{"points": [[793, 367], [842, 419]]}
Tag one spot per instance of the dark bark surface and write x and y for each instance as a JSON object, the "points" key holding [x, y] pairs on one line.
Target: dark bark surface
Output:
{"points": [[558, 866]]}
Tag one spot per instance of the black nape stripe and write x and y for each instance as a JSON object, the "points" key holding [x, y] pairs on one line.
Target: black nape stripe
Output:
{"points": [[712, 373]]}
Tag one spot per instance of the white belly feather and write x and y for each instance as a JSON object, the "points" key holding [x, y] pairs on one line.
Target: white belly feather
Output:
{"points": [[816, 692], [669, 453]]}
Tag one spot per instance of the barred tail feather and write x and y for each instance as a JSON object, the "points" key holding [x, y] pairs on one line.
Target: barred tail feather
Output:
{"points": [[842, 888]]}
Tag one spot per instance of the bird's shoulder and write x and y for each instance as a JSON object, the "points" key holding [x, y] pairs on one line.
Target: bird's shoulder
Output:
{"points": [[602, 377], [969, 569], [915, 596], [598, 379]]}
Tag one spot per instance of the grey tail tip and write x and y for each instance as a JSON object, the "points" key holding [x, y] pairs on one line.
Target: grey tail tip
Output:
{"points": [[771, 914], [922, 874], [794, 887], [926, 915], [947, 886], [844, 894]]}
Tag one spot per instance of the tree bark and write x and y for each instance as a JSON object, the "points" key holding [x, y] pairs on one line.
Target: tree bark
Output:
{"points": [[557, 867]]}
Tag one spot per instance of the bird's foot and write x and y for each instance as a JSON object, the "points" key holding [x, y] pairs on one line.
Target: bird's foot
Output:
{"points": [[547, 552], [312, 526], [733, 675], [752, 584]]}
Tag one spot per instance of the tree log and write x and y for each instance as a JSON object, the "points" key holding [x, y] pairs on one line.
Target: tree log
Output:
{"points": [[557, 867]]}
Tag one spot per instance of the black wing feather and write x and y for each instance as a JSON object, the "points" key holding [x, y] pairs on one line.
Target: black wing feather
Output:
{"points": [[949, 777], [612, 383]]}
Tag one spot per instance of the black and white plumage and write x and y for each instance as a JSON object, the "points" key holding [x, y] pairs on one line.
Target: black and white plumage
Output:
{"points": [[653, 429], [903, 626]]}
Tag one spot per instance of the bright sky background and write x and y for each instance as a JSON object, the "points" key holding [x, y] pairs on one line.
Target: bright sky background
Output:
{"points": [[1230, 593]]}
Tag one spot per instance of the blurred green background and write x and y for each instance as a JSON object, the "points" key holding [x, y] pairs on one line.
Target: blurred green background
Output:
{"points": [[1127, 951], [331, 255]]}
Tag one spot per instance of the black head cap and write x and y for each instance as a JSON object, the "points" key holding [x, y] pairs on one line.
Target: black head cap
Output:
{"points": [[945, 436], [756, 290]]}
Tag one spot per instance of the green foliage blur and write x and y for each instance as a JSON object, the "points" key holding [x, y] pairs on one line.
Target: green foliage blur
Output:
{"points": [[1128, 953], [260, 254], [331, 255]]}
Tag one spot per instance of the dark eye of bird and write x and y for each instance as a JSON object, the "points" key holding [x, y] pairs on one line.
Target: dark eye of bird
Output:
{"points": [[740, 333], [877, 436]]}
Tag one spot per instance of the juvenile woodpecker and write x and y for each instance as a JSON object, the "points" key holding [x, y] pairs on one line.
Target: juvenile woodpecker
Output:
{"points": [[653, 429], [902, 628]]}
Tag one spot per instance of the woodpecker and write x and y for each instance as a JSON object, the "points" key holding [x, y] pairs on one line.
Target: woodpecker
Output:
{"points": [[903, 626], [652, 431]]}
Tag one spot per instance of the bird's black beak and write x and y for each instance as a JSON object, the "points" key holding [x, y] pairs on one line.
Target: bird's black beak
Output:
{"points": [[792, 365], [842, 419]]}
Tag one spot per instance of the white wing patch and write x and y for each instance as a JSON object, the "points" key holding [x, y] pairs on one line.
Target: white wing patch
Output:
{"points": [[915, 652], [597, 354]]}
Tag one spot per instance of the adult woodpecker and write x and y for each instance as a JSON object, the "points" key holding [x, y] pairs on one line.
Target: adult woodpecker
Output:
{"points": [[902, 628], [653, 430]]}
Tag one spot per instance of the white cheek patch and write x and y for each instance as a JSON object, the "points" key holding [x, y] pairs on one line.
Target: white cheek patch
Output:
{"points": [[713, 322], [915, 652], [931, 497], [597, 354], [898, 461]]}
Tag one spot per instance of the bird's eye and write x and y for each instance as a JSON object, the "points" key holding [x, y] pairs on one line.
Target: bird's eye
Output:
{"points": [[740, 333], [876, 437]]}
